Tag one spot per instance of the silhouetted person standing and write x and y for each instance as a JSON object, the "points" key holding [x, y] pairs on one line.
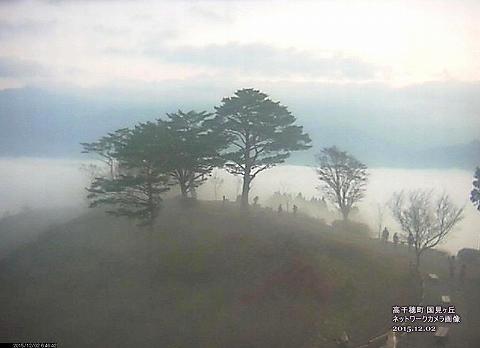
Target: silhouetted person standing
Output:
{"points": [[280, 209], [410, 240], [395, 238], [295, 210], [385, 234]]}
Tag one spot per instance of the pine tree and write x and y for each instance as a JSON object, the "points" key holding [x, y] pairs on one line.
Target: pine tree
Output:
{"points": [[145, 159], [196, 149], [262, 133]]}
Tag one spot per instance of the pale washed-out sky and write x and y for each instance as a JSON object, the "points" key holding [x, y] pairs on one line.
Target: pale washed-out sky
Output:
{"points": [[91, 43], [404, 71]]}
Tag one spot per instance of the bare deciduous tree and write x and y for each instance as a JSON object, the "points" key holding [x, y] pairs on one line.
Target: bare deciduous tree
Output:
{"points": [[429, 220], [106, 148], [344, 178]]}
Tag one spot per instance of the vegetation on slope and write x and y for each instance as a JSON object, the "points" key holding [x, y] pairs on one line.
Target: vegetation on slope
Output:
{"points": [[210, 276]]}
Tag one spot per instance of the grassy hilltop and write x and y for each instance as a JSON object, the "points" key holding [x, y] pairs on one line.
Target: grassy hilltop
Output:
{"points": [[209, 276]]}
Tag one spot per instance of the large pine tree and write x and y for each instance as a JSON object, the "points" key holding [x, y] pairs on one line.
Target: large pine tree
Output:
{"points": [[144, 157], [262, 133], [196, 149]]}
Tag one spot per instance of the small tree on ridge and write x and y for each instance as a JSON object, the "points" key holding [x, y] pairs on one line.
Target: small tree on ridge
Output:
{"points": [[430, 221], [344, 178]]}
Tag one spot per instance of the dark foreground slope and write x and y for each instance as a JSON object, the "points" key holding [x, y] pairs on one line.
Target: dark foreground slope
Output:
{"points": [[208, 277], [26, 226]]}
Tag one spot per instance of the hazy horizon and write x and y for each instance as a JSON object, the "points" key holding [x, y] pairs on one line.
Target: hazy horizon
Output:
{"points": [[46, 183], [382, 80]]}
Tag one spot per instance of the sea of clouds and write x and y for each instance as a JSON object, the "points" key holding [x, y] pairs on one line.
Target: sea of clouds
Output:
{"points": [[52, 183]]}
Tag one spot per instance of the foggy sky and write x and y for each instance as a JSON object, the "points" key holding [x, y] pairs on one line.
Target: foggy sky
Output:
{"points": [[405, 71]]}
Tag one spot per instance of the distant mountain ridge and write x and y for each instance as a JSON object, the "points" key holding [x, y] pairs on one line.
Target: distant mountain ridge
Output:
{"points": [[378, 154], [41, 123], [460, 155]]}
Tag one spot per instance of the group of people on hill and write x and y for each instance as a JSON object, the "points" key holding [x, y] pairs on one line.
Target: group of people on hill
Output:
{"points": [[386, 234], [280, 209], [280, 206], [291, 203], [411, 242], [396, 238]]}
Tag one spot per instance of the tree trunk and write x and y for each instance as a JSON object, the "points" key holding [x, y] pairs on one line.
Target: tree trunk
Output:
{"points": [[193, 192], [247, 175], [191, 186], [417, 261], [150, 263], [245, 190], [345, 214], [112, 175], [150, 246], [184, 190]]}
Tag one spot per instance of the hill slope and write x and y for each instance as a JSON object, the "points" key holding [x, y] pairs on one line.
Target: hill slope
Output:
{"points": [[208, 277], [24, 227]]}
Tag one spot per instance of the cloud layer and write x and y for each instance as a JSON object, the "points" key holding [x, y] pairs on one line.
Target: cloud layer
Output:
{"points": [[268, 61], [146, 41], [400, 73], [19, 68]]}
